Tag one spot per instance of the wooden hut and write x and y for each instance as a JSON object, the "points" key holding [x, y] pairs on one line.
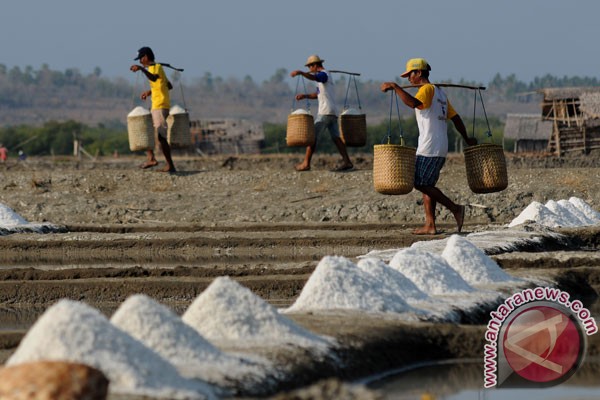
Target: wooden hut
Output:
{"points": [[575, 117], [529, 132]]}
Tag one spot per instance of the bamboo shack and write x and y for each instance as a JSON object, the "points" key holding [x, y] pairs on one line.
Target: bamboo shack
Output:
{"points": [[575, 117], [227, 136], [529, 132]]}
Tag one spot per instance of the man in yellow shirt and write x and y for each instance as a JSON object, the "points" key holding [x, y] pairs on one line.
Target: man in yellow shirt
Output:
{"points": [[161, 104], [432, 110]]}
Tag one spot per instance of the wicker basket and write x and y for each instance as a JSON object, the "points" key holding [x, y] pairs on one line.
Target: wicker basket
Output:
{"points": [[393, 168], [486, 168], [141, 132], [178, 130], [353, 129], [300, 130]]}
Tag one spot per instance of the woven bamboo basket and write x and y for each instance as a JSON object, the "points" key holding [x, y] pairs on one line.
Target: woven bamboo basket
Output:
{"points": [[178, 130], [486, 168], [300, 130], [141, 132], [353, 129], [393, 168]]}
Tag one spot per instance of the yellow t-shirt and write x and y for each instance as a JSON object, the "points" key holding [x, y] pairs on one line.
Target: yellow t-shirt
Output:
{"points": [[159, 88], [425, 96]]}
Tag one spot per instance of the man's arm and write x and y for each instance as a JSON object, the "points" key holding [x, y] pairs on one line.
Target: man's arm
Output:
{"points": [[460, 127], [406, 97]]}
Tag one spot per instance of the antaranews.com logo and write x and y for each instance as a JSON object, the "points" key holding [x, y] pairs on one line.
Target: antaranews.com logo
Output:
{"points": [[536, 338]]}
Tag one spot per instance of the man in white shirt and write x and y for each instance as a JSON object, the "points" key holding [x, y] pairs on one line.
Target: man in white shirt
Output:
{"points": [[432, 110], [327, 114]]}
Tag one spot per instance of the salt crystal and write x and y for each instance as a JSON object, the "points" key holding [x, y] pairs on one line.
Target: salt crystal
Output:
{"points": [[163, 331], [586, 209], [388, 276], [177, 109], [9, 218], [429, 272], [226, 312], [472, 264], [138, 111], [537, 212], [338, 284], [300, 111], [74, 331]]}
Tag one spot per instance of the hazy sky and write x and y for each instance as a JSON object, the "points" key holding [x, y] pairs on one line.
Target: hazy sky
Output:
{"points": [[470, 39]]}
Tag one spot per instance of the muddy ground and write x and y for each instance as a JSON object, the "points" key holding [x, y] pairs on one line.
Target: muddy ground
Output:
{"points": [[123, 230]]}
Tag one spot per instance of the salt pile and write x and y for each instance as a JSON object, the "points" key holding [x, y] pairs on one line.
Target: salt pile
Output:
{"points": [[337, 283], [177, 109], [138, 112], [228, 313], [394, 280], [300, 111], [429, 272], [572, 213], [160, 329], [9, 218], [351, 111], [472, 264], [74, 331]]}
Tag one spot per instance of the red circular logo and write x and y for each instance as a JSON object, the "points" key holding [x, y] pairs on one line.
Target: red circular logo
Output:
{"points": [[542, 344]]}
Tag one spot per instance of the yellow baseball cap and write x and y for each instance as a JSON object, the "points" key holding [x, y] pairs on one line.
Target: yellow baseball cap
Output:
{"points": [[416, 64]]}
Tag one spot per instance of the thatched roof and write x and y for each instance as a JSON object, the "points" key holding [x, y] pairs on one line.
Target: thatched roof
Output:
{"points": [[527, 126], [567, 92], [589, 104]]}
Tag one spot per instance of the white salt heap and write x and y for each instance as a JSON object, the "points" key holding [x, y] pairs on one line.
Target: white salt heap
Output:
{"points": [[337, 283], [177, 109], [9, 218], [572, 213], [472, 264], [388, 277], [163, 331], [351, 111], [138, 111], [429, 272], [230, 314], [74, 331], [300, 111]]}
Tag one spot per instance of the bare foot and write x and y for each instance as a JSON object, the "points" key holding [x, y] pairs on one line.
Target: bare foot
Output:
{"points": [[170, 170], [302, 167], [425, 230], [149, 164], [460, 218], [343, 167]]}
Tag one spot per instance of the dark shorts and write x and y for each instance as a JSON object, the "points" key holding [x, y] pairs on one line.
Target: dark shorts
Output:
{"points": [[427, 170]]}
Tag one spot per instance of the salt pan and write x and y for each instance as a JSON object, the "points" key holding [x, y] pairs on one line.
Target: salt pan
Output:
{"points": [[337, 283], [159, 328], [177, 109], [228, 313], [429, 272], [138, 111], [589, 212], [472, 264], [74, 331]]}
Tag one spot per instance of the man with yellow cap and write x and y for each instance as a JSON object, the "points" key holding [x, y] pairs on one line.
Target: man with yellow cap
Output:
{"points": [[327, 114], [432, 110]]}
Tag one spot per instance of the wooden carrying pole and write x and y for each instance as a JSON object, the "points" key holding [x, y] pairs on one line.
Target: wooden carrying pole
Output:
{"points": [[344, 72], [446, 85]]}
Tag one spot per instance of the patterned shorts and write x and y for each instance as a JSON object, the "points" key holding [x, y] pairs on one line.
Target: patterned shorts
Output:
{"points": [[427, 170]]}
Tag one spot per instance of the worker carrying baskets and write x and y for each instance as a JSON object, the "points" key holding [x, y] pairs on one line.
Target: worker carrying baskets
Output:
{"points": [[432, 110], [326, 116]]}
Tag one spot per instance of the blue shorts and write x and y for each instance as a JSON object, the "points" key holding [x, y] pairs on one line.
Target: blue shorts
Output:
{"points": [[427, 170]]}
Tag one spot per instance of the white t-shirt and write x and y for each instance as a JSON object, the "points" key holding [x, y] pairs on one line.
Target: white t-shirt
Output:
{"points": [[325, 93], [432, 121]]}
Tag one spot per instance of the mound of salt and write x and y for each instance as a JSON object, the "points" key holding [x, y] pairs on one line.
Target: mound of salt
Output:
{"points": [[391, 278], [338, 284], [160, 329], [177, 109], [429, 272], [300, 111], [226, 312], [538, 213], [138, 112], [9, 218], [589, 212], [352, 111], [471, 263], [564, 215], [581, 216], [74, 331]]}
